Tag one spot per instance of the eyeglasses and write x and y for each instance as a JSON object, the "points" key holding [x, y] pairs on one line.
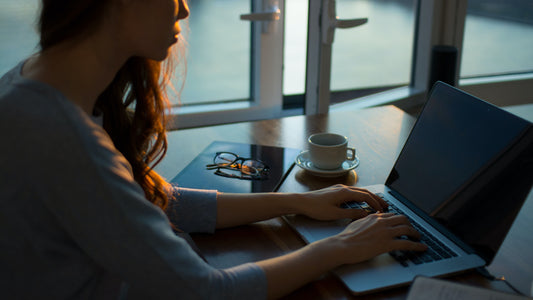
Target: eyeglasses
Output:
{"points": [[249, 168]]}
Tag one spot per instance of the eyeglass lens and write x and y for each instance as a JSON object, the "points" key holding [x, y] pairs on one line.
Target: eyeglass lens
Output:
{"points": [[225, 159], [252, 167]]}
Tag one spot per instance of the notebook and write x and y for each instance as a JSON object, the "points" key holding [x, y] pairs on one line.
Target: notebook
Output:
{"points": [[195, 175], [424, 288], [462, 176]]}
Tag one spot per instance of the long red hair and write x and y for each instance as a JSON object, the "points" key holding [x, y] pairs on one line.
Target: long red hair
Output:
{"points": [[134, 105]]}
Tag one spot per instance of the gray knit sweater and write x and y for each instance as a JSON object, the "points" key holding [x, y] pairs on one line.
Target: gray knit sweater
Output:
{"points": [[75, 225]]}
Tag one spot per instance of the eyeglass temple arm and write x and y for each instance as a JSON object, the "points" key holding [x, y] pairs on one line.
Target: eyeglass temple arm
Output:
{"points": [[211, 166]]}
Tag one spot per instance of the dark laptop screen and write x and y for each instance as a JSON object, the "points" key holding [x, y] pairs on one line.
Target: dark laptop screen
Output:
{"points": [[456, 139]]}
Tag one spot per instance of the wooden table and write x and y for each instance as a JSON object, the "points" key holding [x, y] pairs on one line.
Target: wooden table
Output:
{"points": [[378, 134]]}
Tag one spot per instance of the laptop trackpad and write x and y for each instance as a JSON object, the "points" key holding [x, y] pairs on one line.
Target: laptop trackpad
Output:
{"points": [[312, 230], [375, 274]]}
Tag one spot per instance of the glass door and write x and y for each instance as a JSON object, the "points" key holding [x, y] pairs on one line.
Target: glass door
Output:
{"points": [[366, 57]]}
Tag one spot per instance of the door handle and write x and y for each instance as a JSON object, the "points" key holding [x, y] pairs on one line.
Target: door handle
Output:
{"points": [[271, 14], [330, 21]]}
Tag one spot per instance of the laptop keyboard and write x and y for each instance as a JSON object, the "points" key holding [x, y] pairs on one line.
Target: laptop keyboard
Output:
{"points": [[436, 250]]}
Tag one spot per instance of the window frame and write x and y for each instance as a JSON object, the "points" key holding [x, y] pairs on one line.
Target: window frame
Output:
{"points": [[438, 22]]}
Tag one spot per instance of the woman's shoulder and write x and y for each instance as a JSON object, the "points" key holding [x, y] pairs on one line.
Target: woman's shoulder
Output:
{"points": [[36, 105], [37, 116], [13, 84], [26, 100]]}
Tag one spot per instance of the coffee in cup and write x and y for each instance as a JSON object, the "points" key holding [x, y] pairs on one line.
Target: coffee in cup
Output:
{"points": [[328, 151]]}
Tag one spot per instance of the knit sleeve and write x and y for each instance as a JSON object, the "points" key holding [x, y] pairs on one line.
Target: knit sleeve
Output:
{"points": [[193, 210]]}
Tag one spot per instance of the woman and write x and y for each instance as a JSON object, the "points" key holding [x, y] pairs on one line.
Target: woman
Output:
{"points": [[83, 214]]}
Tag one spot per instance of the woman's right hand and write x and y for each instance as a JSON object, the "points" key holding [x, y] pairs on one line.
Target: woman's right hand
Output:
{"points": [[373, 235], [361, 240]]}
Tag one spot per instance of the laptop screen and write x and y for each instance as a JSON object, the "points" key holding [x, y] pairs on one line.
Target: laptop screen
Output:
{"points": [[455, 141]]}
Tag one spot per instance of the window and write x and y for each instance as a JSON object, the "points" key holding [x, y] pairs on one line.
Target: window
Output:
{"points": [[493, 39], [234, 71], [497, 63], [498, 38], [234, 66]]}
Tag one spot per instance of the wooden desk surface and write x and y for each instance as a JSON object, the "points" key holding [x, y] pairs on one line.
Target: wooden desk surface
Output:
{"points": [[378, 134], [378, 130]]}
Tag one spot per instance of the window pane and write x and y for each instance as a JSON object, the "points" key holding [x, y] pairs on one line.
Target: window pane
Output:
{"points": [[218, 55], [498, 38], [17, 31], [378, 53]]}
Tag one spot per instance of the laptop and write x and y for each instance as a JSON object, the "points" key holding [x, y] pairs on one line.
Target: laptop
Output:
{"points": [[461, 178]]}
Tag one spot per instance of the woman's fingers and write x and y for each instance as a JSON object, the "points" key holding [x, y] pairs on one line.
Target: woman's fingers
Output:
{"points": [[404, 235], [379, 233], [376, 202], [389, 227], [363, 195]]}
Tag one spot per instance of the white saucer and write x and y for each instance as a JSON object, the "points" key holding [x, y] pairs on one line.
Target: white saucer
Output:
{"points": [[304, 162]]}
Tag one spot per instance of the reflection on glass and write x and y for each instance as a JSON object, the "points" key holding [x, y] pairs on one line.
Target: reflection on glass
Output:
{"points": [[498, 38]]}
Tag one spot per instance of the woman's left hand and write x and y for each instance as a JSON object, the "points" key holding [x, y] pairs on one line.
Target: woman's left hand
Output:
{"points": [[325, 204]]}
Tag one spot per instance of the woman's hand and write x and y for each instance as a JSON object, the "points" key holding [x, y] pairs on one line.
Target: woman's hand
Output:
{"points": [[325, 204], [374, 235], [361, 240]]}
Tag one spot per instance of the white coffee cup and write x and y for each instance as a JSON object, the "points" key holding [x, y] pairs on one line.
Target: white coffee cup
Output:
{"points": [[329, 150]]}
